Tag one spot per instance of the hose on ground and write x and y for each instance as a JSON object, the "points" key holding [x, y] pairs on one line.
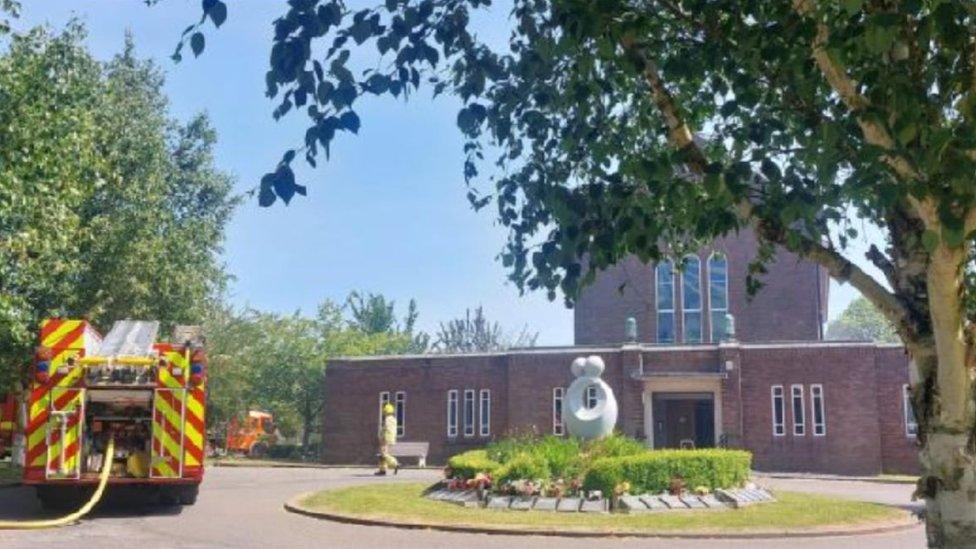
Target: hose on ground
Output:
{"points": [[68, 519]]}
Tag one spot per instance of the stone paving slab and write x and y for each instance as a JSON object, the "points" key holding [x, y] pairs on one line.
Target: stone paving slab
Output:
{"points": [[632, 504], [712, 502], [499, 502], [594, 506], [653, 503], [545, 504], [673, 502], [568, 505], [692, 502], [522, 503]]}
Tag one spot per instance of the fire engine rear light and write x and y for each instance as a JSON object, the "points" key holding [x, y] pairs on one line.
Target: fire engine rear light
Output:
{"points": [[41, 371], [196, 373]]}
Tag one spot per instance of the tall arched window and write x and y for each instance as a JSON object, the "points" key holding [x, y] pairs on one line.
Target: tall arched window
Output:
{"points": [[718, 295], [691, 299], [664, 295]]}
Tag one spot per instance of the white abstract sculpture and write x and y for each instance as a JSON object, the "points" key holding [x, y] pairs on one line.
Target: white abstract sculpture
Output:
{"points": [[598, 421]]}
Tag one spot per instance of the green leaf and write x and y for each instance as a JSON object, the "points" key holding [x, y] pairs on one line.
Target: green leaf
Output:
{"points": [[930, 240], [197, 43], [852, 6], [350, 121], [218, 13]]}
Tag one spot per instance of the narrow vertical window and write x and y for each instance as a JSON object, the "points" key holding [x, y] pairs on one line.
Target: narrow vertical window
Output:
{"points": [[484, 413], [819, 416], [779, 411], [452, 413], [591, 397], [469, 413], [718, 296], [911, 425], [384, 399], [401, 413], [799, 415], [664, 296], [557, 411], [691, 299]]}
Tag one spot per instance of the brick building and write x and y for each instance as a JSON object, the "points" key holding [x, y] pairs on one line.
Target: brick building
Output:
{"points": [[776, 388]]}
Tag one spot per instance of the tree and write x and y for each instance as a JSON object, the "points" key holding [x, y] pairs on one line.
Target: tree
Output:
{"points": [[622, 125], [478, 334], [861, 321], [109, 208], [375, 314], [278, 363]]}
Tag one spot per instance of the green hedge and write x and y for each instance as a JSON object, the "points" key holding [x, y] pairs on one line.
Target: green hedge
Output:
{"points": [[524, 466], [468, 464], [652, 471]]}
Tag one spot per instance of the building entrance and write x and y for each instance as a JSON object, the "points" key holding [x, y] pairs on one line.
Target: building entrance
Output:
{"points": [[684, 420]]}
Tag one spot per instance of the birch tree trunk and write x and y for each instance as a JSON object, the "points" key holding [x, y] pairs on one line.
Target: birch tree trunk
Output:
{"points": [[944, 395]]}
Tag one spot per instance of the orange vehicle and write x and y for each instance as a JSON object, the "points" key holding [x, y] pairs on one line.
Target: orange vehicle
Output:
{"points": [[254, 436], [128, 391]]}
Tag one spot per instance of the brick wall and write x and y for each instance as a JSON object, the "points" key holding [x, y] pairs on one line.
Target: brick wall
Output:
{"points": [[900, 455], [861, 384], [788, 308], [848, 376]]}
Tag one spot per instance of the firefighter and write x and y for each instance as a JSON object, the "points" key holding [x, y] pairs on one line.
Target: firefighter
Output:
{"points": [[387, 436]]}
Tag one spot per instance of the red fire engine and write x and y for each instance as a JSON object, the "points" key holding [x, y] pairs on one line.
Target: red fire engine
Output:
{"points": [[147, 396]]}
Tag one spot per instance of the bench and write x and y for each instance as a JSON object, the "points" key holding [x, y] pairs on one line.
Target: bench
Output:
{"points": [[411, 449]]}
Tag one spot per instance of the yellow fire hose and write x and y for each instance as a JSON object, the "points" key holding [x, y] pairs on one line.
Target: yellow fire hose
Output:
{"points": [[53, 523]]}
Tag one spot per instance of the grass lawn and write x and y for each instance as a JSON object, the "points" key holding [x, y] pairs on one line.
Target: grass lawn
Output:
{"points": [[404, 502]]}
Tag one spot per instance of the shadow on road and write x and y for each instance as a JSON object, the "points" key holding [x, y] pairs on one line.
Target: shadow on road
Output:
{"points": [[20, 504]]}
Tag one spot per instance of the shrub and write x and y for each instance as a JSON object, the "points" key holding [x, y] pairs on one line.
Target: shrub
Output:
{"points": [[652, 470], [615, 445], [285, 451], [561, 455], [524, 466], [468, 464]]}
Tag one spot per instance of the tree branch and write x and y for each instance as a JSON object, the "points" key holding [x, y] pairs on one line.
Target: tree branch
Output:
{"points": [[839, 267], [846, 88]]}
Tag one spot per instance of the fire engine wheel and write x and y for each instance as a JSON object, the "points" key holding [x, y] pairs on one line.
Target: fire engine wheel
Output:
{"points": [[188, 495], [259, 450]]}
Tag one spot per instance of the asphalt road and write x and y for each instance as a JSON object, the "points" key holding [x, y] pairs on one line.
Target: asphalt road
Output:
{"points": [[242, 508]]}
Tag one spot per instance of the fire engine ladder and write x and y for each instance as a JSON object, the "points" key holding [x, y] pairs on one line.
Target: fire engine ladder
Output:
{"points": [[63, 433]]}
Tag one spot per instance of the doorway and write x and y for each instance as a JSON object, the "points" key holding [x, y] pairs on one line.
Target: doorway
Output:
{"points": [[683, 420]]}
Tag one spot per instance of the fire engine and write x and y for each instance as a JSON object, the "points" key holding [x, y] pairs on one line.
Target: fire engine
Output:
{"points": [[87, 391]]}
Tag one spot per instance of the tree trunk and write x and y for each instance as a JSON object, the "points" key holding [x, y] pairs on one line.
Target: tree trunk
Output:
{"points": [[946, 410]]}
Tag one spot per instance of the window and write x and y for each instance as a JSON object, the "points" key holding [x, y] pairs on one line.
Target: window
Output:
{"points": [[591, 397], [718, 295], [799, 417], [557, 411], [469, 413], [384, 399], [911, 425], [664, 294], [452, 413], [779, 424], [401, 413], [691, 300], [484, 413], [819, 417]]}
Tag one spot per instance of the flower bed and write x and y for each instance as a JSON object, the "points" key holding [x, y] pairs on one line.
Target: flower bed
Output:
{"points": [[557, 467]]}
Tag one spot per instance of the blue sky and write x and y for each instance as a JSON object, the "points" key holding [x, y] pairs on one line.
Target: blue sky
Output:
{"points": [[387, 214]]}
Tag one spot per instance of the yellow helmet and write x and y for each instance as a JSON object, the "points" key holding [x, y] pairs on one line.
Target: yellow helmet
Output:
{"points": [[388, 409]]}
